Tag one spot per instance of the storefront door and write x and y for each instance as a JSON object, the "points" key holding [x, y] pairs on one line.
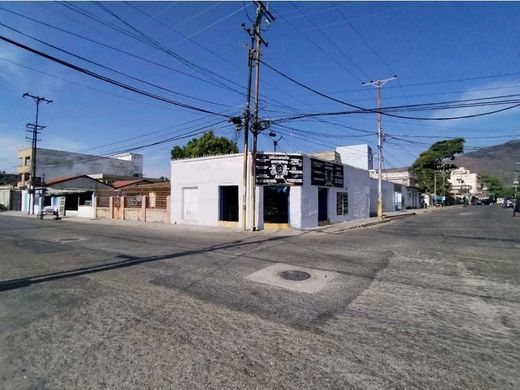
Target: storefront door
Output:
{"points": [[322, 204]]}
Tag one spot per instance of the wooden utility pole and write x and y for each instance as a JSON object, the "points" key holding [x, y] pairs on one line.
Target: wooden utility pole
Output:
{"points": [[34, 128], [253, 60], [258, 126], [246, 119]]}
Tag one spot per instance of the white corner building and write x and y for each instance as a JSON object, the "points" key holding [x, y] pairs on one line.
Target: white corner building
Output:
{"points": [[293, 189]]}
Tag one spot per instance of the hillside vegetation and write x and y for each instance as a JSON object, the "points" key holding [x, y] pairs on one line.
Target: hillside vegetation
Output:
{"points": [[498, 161]]}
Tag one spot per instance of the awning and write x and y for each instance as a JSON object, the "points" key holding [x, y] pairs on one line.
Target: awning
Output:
{"points": [[68, 191]]}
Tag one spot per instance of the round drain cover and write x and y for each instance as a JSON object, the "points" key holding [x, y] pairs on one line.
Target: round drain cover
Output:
{"points": [[294, 275]]}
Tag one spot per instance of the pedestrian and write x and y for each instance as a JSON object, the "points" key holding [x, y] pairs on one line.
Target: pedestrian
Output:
{"points": [[516, 206]]}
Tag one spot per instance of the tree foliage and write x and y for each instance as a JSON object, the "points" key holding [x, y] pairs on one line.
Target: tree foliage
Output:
{"points": [[207, 145], [434, 165], [495, 188]]}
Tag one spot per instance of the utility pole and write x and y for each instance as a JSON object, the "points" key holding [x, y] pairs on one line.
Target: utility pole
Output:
{"points": [[379, 84], [35, 129], [435, 185], [258, 126], [247, 116]]}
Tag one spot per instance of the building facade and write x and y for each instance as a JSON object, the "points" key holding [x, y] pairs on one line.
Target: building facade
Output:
{"points": [[56, 163], [292, 189], [405, 193], [465, 183], [72, 195]]}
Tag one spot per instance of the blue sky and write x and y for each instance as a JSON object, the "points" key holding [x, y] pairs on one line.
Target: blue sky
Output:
{"points": [[440, 51]]}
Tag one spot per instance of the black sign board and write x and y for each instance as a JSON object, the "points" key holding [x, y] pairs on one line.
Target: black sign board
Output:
{"points": [[279, 169], [326, 174]]}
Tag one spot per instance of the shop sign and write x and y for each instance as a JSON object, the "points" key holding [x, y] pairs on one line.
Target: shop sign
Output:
{"points": [[326, 174], [279, 169]]}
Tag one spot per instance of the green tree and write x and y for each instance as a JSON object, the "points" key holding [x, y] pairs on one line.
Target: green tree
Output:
{"points": [[207, 145], [435, 165], [494, 187]]}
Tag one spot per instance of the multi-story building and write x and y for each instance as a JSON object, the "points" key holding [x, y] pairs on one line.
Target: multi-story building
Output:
{"points": [[465, 183], [56, 163], [397, 175]]}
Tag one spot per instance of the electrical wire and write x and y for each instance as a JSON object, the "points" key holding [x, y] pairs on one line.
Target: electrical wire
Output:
{"points": [[152, 42], [109, 68], [116, 49], [185, 135], [107, 79], [365, 110]]}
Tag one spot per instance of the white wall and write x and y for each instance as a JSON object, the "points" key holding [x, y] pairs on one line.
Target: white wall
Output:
{"points": [[356, 184], [359, 156], [387, 194], [206, 174]]}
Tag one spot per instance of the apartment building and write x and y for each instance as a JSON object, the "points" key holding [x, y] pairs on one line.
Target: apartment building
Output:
{"points": [[56, 163]]}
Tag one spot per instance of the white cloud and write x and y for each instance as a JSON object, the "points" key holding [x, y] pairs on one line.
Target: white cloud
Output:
{"points": [[9, 71], [18, 71], [9, 147]]}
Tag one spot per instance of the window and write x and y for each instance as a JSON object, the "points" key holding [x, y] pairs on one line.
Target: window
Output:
{"points": [[342, 203], [85, 199]]}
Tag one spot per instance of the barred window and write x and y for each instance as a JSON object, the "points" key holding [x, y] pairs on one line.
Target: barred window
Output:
{"points": [[342, 203]]}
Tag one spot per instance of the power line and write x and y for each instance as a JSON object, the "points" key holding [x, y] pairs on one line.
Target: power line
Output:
{"points": [[339, 49], [499, 75], [365, 110], [107, 79], [152, 42], [319, 46], [187, 134], [212, 52], [141, 37], [118, 50], [109, 68]]}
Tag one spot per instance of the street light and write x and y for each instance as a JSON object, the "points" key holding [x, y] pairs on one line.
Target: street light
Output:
{"points": [[272, 134]]}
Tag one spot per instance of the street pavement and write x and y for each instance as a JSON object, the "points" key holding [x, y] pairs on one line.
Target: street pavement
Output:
{"points": [[430, 301]]}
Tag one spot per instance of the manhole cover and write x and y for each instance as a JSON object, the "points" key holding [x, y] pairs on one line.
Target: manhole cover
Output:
{"points": [[294, 275], [69, 239]]}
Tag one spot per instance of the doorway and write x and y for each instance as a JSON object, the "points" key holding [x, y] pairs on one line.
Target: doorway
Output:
{"points": [[276, 204], [228, 200], [323, 194], [190, 203]]}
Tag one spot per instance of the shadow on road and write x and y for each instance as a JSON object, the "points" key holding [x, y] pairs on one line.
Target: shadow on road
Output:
{"points": [[14, 284]]}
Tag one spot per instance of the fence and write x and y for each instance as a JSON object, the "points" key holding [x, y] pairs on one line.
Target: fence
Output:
{"points": [[148, 203]]}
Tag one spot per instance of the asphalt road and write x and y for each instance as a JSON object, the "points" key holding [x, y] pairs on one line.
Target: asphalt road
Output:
{"points": [[430, 301]]}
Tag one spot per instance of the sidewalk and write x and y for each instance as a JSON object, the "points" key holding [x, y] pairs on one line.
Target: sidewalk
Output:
{"points": [[332, 229]]}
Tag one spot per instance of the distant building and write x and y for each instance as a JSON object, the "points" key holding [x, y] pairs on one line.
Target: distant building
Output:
{"points": [[465, 183], [56, 163], [8, 178], [406, 193], [358, 156], [397, 175], [74, 194], [119, 184]]}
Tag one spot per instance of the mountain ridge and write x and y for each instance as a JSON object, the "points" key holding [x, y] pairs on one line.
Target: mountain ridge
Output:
{"points": [[496, 160]]}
